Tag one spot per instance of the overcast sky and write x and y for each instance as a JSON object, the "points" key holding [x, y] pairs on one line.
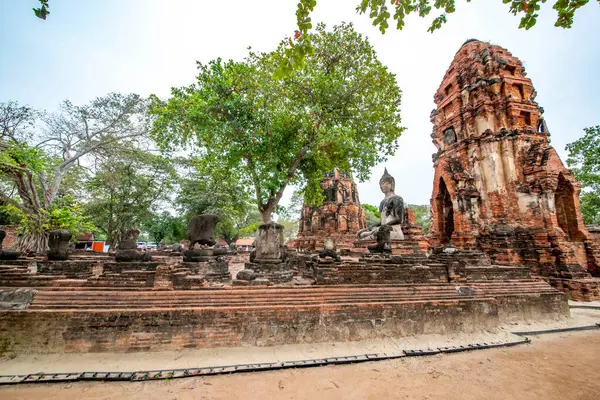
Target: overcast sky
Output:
{"points": [[89, 48]]}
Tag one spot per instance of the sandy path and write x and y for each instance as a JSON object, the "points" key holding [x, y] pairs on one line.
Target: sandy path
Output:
{"points": [[557, 366]]}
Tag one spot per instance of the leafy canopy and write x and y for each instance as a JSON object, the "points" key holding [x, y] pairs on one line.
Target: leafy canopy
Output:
{"points": [[386, 12], [43, 155], [372, 215], [584, 160], [200, 193], [165, 227], [422, 215], [340, 110], [126, 188]]}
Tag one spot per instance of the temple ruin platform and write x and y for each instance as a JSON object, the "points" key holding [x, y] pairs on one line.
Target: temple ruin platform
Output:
{"points": [[77, 319]]}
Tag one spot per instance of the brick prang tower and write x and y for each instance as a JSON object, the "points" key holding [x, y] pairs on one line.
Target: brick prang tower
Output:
{"points": [[340, 216], [499, 186]]}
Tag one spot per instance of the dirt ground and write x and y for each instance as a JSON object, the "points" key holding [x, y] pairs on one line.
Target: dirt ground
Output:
{"points": [[555, 366]]}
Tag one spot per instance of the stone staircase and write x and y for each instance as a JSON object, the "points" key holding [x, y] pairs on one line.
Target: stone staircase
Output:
{"points": [[83, 319], [84, 299], [469, 257], [19, 274], [378, 272]]}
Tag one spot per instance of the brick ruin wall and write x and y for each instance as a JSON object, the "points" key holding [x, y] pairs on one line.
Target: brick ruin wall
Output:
{"points": [[499, 186], [27, 332], [11, 236], [340, 216]]}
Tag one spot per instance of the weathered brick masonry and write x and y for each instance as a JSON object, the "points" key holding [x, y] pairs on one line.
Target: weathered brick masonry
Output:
{"points": [[499, 186], [340, 216], [93, 321]]}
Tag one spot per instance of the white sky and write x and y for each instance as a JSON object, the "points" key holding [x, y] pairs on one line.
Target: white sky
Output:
{"points": [[87, 49]]}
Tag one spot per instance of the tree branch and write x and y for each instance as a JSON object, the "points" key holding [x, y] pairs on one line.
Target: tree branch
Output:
{"points": [[13, 203], [33, 190], [255, 180]]}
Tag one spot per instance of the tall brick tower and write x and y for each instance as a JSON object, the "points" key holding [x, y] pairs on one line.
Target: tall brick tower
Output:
{"points": [[499, 186], [340, 216]]}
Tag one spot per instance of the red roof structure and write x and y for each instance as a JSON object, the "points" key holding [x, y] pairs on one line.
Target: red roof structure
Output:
{"points": [[245, 242]]}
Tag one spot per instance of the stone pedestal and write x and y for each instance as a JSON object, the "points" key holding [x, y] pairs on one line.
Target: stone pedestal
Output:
{"points": [[267, 262], [329, 250], [266, 271], [208, 264], [127, 250], [202, 255], [58, 241], [269, 243], [397, 246]]}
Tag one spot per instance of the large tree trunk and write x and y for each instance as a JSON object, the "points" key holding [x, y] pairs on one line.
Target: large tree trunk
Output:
{"points": [[33, 242], [266, 215], [112, 241]]}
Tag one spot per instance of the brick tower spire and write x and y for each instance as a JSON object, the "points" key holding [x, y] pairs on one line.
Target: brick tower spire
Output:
{"points": [[499, 186], [340, 216]]}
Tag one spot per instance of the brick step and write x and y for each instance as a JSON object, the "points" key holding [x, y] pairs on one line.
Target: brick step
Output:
{"points": [[319, 290], [256, 303], [134, 299], [174, 299], [163, 305], [15, 263], [155, 305], [226, 294], [175, 296], [8, 274], [117, 284], [32, 278], [182, 296], [79, 288], [315, 290]]}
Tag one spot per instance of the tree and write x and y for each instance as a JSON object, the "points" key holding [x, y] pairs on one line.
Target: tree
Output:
{"points": [[341, 110], [42, 12], [584, 160], [201, 193], [294, 208], [248, 227], [422, 215], [32, 175], [125, 190], [290, 229], [165, 227], [380, 11], [372, 215]]}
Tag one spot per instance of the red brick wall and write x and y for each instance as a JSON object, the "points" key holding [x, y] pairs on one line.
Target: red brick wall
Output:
{"points": [[511, 194], [10, 236], [27, 332], [340, 219]]}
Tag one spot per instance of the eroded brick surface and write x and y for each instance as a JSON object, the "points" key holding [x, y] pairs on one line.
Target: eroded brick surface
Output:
{"points": [[340, 216], [97, 321], [499, 185]]}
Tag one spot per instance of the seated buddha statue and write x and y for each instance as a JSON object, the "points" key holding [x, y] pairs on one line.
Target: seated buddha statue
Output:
{"points": [[391, 209]]}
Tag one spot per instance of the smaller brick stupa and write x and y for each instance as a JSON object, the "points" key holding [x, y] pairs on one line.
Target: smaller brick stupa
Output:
{"points": [[339, 217]]}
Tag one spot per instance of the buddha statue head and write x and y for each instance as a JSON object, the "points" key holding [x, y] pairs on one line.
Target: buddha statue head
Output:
{"points": [[387, 182]]}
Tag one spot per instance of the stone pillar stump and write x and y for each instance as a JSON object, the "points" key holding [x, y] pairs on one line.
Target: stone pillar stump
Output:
{"points": [[58, 241]]}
